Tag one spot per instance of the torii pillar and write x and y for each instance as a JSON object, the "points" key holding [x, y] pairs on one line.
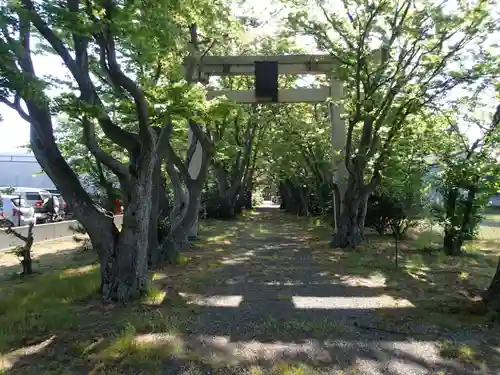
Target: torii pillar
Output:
{"points": [[194, 167], [266, 70]]}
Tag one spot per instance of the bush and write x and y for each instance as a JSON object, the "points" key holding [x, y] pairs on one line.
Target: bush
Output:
{"points": [[378, 213], [391, 213]]}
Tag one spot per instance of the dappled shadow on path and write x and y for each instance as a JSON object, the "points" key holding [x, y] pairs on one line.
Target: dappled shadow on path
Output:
{"points": [[255, 293]]}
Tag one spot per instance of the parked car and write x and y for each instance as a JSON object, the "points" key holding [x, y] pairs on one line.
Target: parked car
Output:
{"points": [[35, 198], [15, 211]]}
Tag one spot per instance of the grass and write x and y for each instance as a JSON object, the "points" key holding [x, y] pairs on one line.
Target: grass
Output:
{"points": [[444, 290], [44, 304], [54, 323], [424, 275]]}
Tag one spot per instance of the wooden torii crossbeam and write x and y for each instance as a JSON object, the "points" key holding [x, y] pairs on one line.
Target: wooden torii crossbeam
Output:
{"points": [[287, 64], [266, 70]]}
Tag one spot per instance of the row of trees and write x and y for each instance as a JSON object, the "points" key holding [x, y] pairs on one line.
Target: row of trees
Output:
{"points": [[128, 104]]}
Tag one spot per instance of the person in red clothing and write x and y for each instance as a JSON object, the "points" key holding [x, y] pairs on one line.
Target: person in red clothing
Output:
{"points": [[118, 207]]}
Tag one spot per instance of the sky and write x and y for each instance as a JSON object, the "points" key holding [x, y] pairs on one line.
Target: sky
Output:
{"points": [[14, 131]]}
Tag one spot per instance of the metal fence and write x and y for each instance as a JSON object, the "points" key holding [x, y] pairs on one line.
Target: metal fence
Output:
{"points": [[44, 232]]}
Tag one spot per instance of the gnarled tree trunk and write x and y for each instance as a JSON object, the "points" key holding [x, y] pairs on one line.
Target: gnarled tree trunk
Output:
{"points": [[349, 232], [182, 220], [230, 178], [177, 239], [492, 295], [227, 192], [129, 273], [187, 200], [245, 196], [160, 209], [452, 241], [350, 226], [468, 221], [122, 254]]}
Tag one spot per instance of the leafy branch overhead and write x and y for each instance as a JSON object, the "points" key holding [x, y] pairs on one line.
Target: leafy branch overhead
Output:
{"points": [[395, 57], [124, 91]]}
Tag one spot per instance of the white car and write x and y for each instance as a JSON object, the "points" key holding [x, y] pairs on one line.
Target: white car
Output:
{"points": [[16, 211], [33, 197]]}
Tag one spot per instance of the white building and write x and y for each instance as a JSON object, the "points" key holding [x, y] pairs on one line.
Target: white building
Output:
{"points": [[23, 170]]}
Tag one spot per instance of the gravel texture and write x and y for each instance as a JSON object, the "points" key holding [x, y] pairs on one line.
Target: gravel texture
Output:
{"points": [[275, 301]]}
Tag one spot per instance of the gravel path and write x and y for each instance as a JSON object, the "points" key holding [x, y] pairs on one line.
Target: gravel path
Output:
{"points": [[275, 301]]}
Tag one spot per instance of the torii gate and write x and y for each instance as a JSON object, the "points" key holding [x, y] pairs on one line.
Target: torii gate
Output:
{"points": [[266, 70]]}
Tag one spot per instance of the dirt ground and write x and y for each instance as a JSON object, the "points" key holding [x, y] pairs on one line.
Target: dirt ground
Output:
{"points": [[58, 250]]}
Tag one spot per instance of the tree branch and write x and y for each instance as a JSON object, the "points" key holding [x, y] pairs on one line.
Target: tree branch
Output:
{"points": [[115, 133], [119, 169], [16, 106], [200, 135], [16, 234], [106, 40], [164, 149]]}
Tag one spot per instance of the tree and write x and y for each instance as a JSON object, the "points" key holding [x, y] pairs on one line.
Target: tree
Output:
{"points": [[302, 159], [128, 47], [395, 58], [467, 176], [96, 178], [492, 295], [23, 252], [402, 195], [239, 135]]}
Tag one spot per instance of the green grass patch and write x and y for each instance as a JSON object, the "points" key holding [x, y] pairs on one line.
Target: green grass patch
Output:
{"points": [[44, 304]]}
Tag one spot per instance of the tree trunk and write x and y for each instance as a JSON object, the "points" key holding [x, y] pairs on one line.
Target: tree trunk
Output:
{"points": [[182, 218], [111, 196], [240, 203], [177, 238], [226, 205], [468, 224], [363, 207], [154, 219], [350, 232], [303, 200], [248, 199], [452, 242], [227, 192], [492, 295], [163, 210], [245, 197], [290, 204], [123, 255], [128, 278], [25, 253], [27, 261]]}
